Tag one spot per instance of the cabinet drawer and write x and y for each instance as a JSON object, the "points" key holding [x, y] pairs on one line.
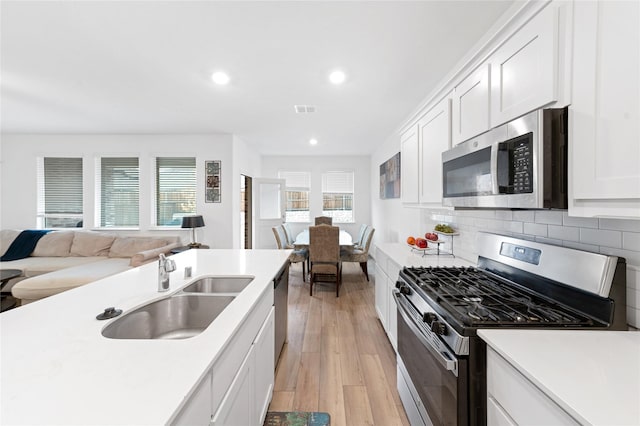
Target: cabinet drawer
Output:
{"points": [[496, 414], [521, 400]]}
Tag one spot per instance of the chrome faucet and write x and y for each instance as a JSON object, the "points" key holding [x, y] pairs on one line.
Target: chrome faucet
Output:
{"points": [[165, 266]]}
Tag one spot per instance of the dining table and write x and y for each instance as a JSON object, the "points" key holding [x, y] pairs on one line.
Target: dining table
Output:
{"points": [[302, 239]]}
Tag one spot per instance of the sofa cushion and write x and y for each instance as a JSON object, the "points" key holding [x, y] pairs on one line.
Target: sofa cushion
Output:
{"points": [[32, 266], [146, 256], [129, 246], [6, 238], [54, 244], [56, 282], [91, 244]]}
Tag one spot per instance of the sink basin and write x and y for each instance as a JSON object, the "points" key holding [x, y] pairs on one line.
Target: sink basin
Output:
{"points": [[218, 285], [176, 317]]}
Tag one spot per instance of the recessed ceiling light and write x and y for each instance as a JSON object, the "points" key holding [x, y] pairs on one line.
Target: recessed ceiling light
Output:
{"points": [[337, 77], [313, 141], [220, 77]]}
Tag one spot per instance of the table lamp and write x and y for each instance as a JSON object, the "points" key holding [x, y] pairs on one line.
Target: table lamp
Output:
{"points": [[193, 222]]}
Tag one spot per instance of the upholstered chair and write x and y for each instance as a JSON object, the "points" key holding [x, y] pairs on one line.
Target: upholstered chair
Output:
{"points": [[358, 242], [324, 256], [298, 255], [288, 233], [323, 220], [360, 255]]}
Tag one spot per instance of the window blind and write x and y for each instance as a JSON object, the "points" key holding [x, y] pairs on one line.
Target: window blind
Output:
{"points": [[337, 182], [60, 192], [296, 180], [337, 196], [119, 192], [175, 189]]}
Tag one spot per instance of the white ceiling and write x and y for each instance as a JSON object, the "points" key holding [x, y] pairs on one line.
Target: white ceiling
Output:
{"points": [[145, 66]]}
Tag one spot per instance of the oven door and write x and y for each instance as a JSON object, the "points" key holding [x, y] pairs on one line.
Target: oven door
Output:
{"points": [[435, 374]]}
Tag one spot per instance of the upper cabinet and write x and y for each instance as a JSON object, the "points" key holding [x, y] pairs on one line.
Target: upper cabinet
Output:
{"points": [[471, 105], [604, 118], [524, 69], [409, 172], [434, 133]]}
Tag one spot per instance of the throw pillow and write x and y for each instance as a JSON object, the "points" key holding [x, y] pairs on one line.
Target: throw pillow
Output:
{"points": [[128, 246], [54, 244], [91, 244]]}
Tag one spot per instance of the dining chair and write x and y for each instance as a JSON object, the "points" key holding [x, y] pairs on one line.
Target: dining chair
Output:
{"points": [[298, 255], [360, 255], [358, 242], [289, 234], [324, 220], [324, 256]]}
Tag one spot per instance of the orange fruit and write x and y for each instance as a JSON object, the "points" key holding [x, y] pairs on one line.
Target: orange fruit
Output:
{"points": [[411, 240]]}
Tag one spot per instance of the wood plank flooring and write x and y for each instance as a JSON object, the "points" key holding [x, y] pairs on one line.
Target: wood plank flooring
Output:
{"points": [[337, 358]]}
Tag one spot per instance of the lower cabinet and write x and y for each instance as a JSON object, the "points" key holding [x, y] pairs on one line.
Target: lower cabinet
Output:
{"points": [[238, 388], [386, 276], [512, 399]]}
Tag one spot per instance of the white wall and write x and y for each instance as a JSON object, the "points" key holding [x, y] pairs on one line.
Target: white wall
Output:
{"points": [[360, 165], [18, 204]]}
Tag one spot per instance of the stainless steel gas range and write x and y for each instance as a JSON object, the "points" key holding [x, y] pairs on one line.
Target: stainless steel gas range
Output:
{"points": [[516, 284]]}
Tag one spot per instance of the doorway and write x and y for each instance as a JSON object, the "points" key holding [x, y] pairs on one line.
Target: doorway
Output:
{"points": [[246, 229]]}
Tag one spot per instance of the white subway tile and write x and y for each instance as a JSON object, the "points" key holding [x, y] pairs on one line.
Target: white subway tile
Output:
{"points": [[513, 226], [631, 241], [524, 215], [481, 224], [601, 237], [633, 317], [580, 246], [504, 214], [551, 241], [582, 222], [524, 237], [620, 224], [633, 277], [632, 257], [633, 298], [566, 233], [536, 229], [550, 217]]}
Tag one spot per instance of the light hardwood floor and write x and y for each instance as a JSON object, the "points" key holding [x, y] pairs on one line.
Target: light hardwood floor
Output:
{"points": [[337, 358]]}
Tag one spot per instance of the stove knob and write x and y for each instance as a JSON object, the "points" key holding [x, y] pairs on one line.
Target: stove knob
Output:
{"points": [[429, 317], [439, 328], [399, 284], [404, 289]]}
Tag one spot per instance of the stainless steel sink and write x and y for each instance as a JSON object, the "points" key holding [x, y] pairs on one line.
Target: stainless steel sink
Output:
{"points": [[233, 284], [177, 317]]}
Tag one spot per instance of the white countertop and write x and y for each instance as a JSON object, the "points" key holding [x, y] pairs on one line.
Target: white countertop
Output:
{"points": [[403, 255], [593, 375], [57, 368]]}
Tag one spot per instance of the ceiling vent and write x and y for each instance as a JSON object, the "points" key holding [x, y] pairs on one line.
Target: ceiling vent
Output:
{"points": [[304, 109]]}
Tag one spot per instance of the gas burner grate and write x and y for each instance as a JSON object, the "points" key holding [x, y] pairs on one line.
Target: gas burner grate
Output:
{"points": [[477, 298]]}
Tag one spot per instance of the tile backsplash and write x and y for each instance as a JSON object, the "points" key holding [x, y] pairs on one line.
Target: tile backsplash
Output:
{"points": [[617, 237]]}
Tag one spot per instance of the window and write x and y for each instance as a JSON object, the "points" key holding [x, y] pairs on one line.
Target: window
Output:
{"points": [[337, 196], [119, 189], [59, 192], [297, 195], [175, 193]]}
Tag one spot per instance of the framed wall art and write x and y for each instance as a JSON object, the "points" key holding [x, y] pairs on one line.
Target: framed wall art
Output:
{"points": [[390, 178], [213, 170]]}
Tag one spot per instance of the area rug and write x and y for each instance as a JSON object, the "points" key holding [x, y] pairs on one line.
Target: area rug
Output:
{"points": [[297, 418]]}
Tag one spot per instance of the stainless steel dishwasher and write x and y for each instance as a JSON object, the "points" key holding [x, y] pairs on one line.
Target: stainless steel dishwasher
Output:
{"points": [[281, 297]]}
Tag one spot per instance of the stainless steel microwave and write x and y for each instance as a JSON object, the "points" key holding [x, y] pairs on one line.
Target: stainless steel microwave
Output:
{"points": [[520, 165]]}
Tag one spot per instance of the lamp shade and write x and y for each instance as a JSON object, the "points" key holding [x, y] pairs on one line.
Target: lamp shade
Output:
{"points": [[192, 221]]}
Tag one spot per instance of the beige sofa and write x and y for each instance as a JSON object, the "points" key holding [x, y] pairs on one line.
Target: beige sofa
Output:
{"points": [[63, 260]]}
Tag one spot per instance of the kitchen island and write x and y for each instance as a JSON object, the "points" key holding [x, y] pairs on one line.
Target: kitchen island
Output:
{"points": [[563, 377], [57, 367]]}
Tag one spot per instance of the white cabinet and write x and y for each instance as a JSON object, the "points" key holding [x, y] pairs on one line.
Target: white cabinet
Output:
{"points": [[512, 399], [264, 361], [434, 131], [604, 157], [524, 69], [386, 276], [471, 105], [236, 408], [409, 170], [197, 411]]}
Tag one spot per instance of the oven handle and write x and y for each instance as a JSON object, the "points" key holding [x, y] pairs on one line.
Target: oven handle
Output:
{"points": [[448, 363]]}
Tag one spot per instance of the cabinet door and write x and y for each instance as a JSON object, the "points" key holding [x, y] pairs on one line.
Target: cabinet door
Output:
{"points": [[435, 137], [197, 410], [392, 315], [605, 112], [264, 374], [470, 115], [381, 295], [236, 408], [410, 169], [524, 70]]}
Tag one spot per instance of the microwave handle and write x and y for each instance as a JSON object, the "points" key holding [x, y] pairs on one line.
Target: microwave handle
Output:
{"points": [[495, 190]]}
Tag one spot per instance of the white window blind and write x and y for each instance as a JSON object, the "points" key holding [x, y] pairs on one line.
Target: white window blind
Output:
{"points": [[175, 189], [59, 192], [119, 192], [297, 194], [337, 196]]}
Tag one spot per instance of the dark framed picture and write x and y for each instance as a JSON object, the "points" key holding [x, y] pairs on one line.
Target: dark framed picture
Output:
{"points": [[212, 182], [390, 178]]}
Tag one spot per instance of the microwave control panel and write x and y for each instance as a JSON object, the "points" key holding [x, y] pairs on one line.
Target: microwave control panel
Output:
{"points": [[516, 165]]}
